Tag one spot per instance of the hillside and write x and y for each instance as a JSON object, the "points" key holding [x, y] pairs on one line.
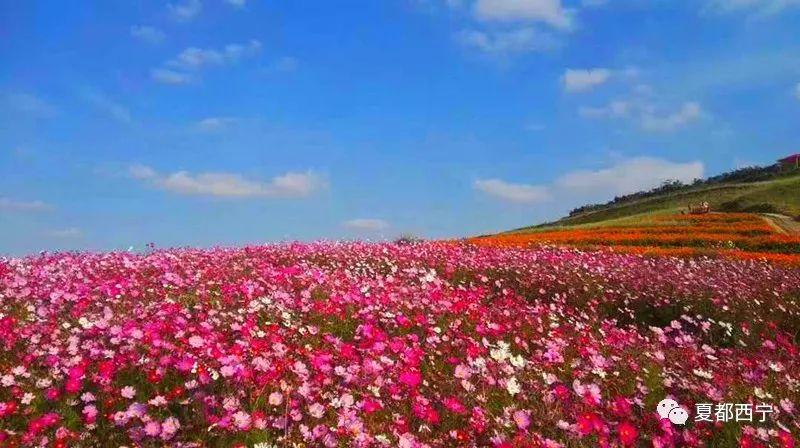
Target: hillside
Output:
{"points": [[778, 196]]}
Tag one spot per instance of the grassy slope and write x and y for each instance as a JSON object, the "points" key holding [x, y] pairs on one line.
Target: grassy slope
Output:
{"points": [[783, 194]]}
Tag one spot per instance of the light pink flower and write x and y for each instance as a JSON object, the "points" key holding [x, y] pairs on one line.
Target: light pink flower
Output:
{"points": [[128, 392]]}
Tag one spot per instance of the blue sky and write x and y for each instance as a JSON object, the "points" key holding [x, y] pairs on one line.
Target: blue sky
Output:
{"points": [[205, 122]]}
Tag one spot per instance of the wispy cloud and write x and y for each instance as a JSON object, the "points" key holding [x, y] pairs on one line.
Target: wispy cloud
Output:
{"points": [[214, 124], [67, 233], [30, 104], [612, 110], [231, 185], [180, 69], [237, 3], [688, 113], [8, 204], [194, 58], [366, 224], [630, 175], [647, 113], [106, 105], [511, 192], [551, 12], [582, 80], [762, 8], [148, 34], [185, 10], [626, 176], [508, 42], [167, 76], [797, 91]]}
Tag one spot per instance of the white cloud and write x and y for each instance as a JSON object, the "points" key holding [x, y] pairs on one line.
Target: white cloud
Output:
{"points": [[147, 34], [142, 172], [68, 233], [624, 177], [167, 76], [214, 124], [519, 193], [758, 7], [551, 12], [109, 107], [30, 104], [194, 58], [230, 185], [177, 70], [366, 224], [644, 114], [630, 176], [614, 109], [9, 204], [522, 40], [185, 10], [689, 112], [578, 80]]}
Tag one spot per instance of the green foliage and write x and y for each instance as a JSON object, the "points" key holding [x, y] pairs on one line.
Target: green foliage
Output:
{"points": [[781, 195]]}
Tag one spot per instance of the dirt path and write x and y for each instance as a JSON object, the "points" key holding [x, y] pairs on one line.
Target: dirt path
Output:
{"points": [[782, 223]]}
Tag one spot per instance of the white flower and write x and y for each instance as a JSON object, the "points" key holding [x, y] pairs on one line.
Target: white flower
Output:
{"points": [[500, 353], [512, 386], [27, 398], [517, 361], [703, 374]]}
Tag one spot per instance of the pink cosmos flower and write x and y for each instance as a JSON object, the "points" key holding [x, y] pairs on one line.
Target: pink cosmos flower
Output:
{"points": [[522, 419], [196, 341], [275, 399], [241, 420], [316, 410], [128, 392], [410, 378], [152, 429], [90, 413], [169, 428], [463, 372], [454, 405]]}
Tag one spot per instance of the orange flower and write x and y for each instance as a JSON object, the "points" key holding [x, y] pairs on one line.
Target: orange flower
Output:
{"points": [[737, 235]]}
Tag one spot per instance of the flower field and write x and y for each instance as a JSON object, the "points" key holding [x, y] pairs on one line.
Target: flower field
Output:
{"points": [[736, 235], [432, 344]]}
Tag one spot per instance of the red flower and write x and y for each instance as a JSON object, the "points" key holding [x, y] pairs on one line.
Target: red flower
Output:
{"points": [[587, 423], [627, 433], [371, 406], [621, 406], [787, 441], [561, 391]]}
